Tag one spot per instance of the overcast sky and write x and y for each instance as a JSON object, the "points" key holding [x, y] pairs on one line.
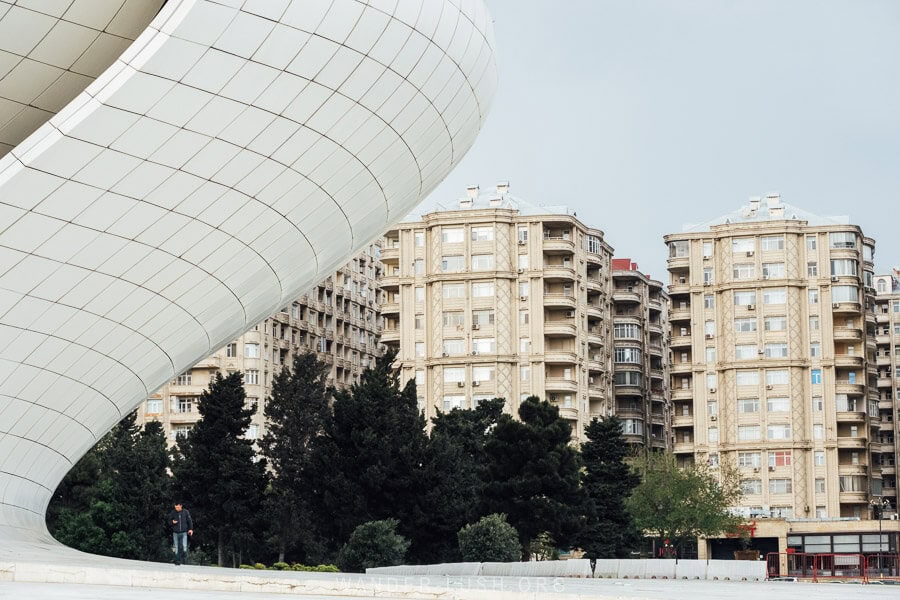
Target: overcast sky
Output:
{"points": [[644, 115]]}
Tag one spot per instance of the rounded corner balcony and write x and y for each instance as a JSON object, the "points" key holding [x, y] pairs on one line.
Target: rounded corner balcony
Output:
{"points": [[197, 166]]}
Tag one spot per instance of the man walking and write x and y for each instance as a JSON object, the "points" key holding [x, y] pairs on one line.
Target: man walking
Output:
{"points": [[182, 526]]}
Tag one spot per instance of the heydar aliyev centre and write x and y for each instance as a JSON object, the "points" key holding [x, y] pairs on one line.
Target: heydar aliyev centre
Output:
{"points": [[172, 172]]}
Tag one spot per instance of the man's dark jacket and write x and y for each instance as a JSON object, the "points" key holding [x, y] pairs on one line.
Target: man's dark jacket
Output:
{"points": [[184, 522]]}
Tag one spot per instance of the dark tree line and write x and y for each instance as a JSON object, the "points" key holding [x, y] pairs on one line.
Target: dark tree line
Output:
{"points": [[332, 461]]}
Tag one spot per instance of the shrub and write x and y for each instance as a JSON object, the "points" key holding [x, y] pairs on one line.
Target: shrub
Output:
{"points": [[373, 544], [491, 539], [281, 566]]}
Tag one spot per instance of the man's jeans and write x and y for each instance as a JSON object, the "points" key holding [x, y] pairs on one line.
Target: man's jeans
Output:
{"points": [[181, 541]]}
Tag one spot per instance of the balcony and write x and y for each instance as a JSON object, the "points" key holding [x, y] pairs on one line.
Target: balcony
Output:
{"points": [[848, 334], [559, 301], [626, 295], [655, 304], [629, 411], [390, 308], [596, 392], [390, 335], [210, 362], [680, 314], [656, 328], [679, 341], [595, 338], [683, 448], [595, 310], [885, 382], [558, 245], [558, 273], [390, 255], [844, 386], [559, 357], [390, 283], [853, 498], [568, 413], [682, 394], [594, 285], [848, 360], [883, 339], [628, 390], [683, 421], [882, 318], [655, 349], [843, 416], [846, 308], [679, 262], [559, 329], [681, 367], [851, 442], [883, 360]]}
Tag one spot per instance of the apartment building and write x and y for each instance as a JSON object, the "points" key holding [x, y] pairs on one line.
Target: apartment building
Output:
{"points": [[339, 319], [774, 370], [640, 355], [494, 297], [887, 358]]}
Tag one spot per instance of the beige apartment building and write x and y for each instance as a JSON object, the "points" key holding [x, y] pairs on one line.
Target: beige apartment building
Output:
{"points": [[494, 297], [887, 357], [339, 319], [640, 355], [774, 371]]}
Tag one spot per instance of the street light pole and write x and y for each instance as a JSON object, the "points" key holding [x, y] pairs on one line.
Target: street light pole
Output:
{"points": [[879, 505]]}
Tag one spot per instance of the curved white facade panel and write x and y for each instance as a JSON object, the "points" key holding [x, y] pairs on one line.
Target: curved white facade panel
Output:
{"points": [[234, 154]]}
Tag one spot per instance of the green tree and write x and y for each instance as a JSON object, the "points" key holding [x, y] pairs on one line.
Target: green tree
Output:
{"points": [[532, 474], [217, 472], [491, 539], [368, 464], [296, 414], [451, 485], [680, 504], [373, 544], [608, 480], [122, 513]]}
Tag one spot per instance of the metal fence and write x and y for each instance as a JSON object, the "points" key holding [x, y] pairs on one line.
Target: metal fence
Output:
{"points": [[833, 567]]}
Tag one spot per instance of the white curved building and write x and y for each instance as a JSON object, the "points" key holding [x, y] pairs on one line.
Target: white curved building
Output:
{"points": [[159, 196]]}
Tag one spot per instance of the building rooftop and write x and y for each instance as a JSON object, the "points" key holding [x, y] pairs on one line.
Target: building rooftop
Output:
{"points": [[499, 197], [768, 208]]}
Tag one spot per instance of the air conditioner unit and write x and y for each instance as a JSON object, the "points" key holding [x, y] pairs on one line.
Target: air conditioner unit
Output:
{"points": [[570, 313], [523, 298], [522, 242], [460, 384], [682, 280], [476, 383], [707, 283], [834, 278], [836, 305], [751, 307], [713, 418], [770, 387], [444, 354], [765, 275], [709, 336], [521, 271], [756, 469], [474, 352], [761, 352], [476, 326], [771, 469], [750, 253]]}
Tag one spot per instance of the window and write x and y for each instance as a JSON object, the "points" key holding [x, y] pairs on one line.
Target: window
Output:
{"points": [[707, 249], [482, 262], [774, 296], [814, 323], [778, 404], [744, 271], [453, 264], [748, 377], [819, 458], [751, 486], [748, 405], [484, 345], [853, 483], [251, 350], [178, 431], [251, 377], [482, 374], [781, 486], [844, 403], [482, 289], [709, 301], [252, 432], [745, 351], [771, 242], [452, 235], [524, 373], [183, 379], [812, 269], [712, 408], [630, 378], [454, 319], [453, 290], [679, 249], [820, 485], [454, 374], [816, 375], [742, 245], [713, 459], [593, 244], [523, 289], [712, 381], [419, 239], [748, 459], [812, 296], [420, 294], [524, 345], [712, 435], [523, 261], [231, 350], [707, 275], [839, 239], [523, 317], [744, 298], [773, 270], [154, 406], [419, 266], [844, 293], [709, 327], [420, 377], [628, 355], [776, 376], [748, 433], [818, 432], [815, 349], [632, 427], [451, 402], [711, 355], [776, 323], [778, 432], [449, 347], [483, 234], [776, 350], [818, 404], [420, 349], [627, 330], [744, 325], [482, 317], [780, 459], [810, 242]]}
